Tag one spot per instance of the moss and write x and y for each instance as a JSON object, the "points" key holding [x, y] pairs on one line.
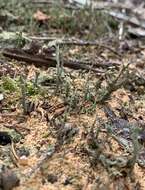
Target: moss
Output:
{"points": [[16, 137], [9, 84], [31, 90]]}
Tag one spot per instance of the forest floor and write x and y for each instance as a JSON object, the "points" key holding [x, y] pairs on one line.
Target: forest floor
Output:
{"points": [[62, 127]]}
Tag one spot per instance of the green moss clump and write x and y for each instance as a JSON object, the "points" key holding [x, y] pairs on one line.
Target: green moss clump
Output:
{"points": [[31, 89], [9, 84]]}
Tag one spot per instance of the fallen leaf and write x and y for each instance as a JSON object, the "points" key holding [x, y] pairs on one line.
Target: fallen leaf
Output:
{"points": [[40, 16]]}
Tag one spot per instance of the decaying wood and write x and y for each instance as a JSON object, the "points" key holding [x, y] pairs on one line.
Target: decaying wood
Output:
{"points": [[38, 61]]}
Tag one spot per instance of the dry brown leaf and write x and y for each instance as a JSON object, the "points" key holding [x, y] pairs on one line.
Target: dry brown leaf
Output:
{"points": [[40, 16]]}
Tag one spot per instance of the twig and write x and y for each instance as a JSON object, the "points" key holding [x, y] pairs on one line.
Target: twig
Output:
{"points": [[58, 66], [76, 42], [17, 128], [21, 55]]}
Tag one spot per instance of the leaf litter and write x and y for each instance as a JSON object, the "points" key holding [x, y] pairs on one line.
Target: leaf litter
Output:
{"points": [[74, 129]]}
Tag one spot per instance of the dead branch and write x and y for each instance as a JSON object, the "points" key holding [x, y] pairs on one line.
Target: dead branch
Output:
{"points": [[21, 55], [126, 18], [76, 42]]}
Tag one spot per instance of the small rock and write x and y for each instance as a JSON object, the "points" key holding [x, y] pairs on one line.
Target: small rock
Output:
{"points": [[24, 151], [23, 161], [52, 178], [68, 181], [8, 179]]}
